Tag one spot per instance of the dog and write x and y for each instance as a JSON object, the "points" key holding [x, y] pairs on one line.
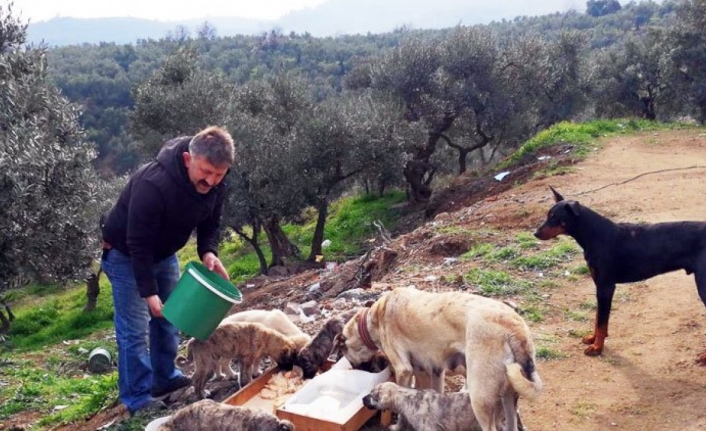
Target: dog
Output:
{"points": [[426, 409], [273, 319], [429, 333], [243, 342], [625, 253], [213, 416], [314, 354]]}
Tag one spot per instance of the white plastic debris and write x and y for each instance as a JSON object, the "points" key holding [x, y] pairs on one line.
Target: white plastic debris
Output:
{"points": [[501, 175]]}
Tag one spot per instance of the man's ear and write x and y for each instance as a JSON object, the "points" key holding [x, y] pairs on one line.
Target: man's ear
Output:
{"points": [[187, 158]]}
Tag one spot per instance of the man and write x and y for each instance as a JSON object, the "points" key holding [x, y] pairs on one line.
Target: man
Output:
{"points": [[153, 218]]}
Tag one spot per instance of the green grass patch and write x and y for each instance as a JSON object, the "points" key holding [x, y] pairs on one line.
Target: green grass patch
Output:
{"points": [[548, 354], [478, 250], [560, 253], [583, 409], [349, 225], [496, 283], [583, 135], [503, 254], [56, 386], [60, 317], [533, 314], [526, 240], [576, 316]]}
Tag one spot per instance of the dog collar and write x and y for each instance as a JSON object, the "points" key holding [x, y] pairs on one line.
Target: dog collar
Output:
{"points": [[363, 330]]}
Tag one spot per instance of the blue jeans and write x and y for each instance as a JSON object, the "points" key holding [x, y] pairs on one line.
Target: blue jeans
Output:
{"points": [[140, 368]]}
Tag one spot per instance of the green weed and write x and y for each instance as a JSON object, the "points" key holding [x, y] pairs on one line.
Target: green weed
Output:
{"points": [[496, 283]]}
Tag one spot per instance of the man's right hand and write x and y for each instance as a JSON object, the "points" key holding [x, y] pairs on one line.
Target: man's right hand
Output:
{"points": [[155, 305]]}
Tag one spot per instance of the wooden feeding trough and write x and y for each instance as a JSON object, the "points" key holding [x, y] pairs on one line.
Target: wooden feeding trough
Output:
{"points": [[331, 401]]}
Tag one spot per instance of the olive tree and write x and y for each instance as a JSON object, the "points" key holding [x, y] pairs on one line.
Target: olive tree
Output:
{"points": [[265, 120], [632, 78], [49, 194], [343, 137], [177, 99], [688, 43]]}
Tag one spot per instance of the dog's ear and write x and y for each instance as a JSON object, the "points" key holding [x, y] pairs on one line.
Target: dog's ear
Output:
{"points": [[340, 342], [557, 196], [574, 208]]}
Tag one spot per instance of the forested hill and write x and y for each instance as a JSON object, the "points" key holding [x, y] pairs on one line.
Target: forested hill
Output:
{"points": [[334, 17]]}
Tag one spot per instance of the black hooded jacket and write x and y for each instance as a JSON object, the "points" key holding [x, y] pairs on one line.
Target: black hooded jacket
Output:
{"points": [[158, 210]]}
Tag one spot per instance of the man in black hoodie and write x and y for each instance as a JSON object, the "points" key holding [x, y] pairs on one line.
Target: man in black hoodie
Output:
{"points": [[156, 213]]}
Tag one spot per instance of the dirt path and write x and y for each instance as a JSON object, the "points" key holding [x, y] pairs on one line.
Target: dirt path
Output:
{"points": [[647, 377]]}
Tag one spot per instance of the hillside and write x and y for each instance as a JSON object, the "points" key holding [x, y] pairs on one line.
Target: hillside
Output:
{"points": [[647, 378]]}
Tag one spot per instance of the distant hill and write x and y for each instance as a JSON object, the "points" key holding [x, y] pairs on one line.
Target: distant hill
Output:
{"points": [[334, 17]]}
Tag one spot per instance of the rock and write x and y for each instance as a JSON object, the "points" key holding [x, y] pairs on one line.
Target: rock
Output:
{"points": [[311, 308]]}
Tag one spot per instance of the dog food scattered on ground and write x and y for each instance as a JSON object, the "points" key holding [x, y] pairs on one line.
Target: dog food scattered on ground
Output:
{"points": [[281, 385]]}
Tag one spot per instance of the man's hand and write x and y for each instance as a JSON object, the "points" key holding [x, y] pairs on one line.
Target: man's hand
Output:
{"points": [[155, 305], [213, 263]]}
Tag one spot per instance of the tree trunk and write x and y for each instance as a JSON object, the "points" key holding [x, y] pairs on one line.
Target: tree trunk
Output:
{"points": [[462, 156], [415, 172], [253, 241], [319, 230], [282, 249], [93, 289], [5, 320], [419, 172]]}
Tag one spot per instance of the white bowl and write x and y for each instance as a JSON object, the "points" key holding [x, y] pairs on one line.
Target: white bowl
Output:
{"points": [[152, 426]]}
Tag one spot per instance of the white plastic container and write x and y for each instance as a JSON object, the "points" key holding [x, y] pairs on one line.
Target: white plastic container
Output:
{"points": [[335, 395], [152, 426]]}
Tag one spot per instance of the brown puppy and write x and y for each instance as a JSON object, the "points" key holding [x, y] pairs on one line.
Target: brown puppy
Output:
{"points": [[425, 409], [246, 343], [213, 416], [429, 332], [314, 354], [273, 319]]}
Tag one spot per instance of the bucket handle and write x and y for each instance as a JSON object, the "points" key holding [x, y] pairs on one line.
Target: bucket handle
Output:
{"points": [[207, 285]]}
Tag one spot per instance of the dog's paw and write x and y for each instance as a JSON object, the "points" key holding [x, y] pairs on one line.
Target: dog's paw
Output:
{"points": [[589, 339], [593, 350]]}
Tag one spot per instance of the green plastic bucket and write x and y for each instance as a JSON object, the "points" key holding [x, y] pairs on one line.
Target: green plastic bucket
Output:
{"points": [[200, 300]]}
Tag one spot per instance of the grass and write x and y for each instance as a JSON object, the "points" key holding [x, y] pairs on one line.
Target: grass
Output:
{"points": [[496, 283], [349, 225], [583, 136]]}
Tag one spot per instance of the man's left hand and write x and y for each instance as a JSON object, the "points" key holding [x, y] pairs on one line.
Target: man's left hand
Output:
{"points": [[213, 263]]}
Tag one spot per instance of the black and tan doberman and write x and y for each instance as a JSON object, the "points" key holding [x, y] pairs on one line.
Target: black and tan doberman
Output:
{"points": [[625, 253]]}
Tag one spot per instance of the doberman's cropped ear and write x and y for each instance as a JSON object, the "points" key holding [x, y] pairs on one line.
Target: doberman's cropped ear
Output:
{"points": [[575, 208], [557, 196]]}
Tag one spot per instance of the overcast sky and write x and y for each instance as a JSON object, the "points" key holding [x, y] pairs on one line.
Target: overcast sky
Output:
{"points": [[162, 10]]}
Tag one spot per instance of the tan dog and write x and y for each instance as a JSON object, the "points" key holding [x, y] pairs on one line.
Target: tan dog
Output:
{"points": [[213, 416], [424, 332], [246, 343], [273, 319], [425, 409]]}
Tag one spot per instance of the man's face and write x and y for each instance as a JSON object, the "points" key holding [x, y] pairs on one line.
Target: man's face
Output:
{"points": [[202, 174]]}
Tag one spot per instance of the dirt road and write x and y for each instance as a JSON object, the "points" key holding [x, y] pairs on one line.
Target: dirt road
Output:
{"points": [[647, 377]]}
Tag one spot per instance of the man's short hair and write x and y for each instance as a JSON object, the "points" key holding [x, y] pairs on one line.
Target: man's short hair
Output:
{"points": [[214, 144]]}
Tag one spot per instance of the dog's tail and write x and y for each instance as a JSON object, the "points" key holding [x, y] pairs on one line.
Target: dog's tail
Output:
{"points": [[182, 360], [529, 388], [522, 371]]}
